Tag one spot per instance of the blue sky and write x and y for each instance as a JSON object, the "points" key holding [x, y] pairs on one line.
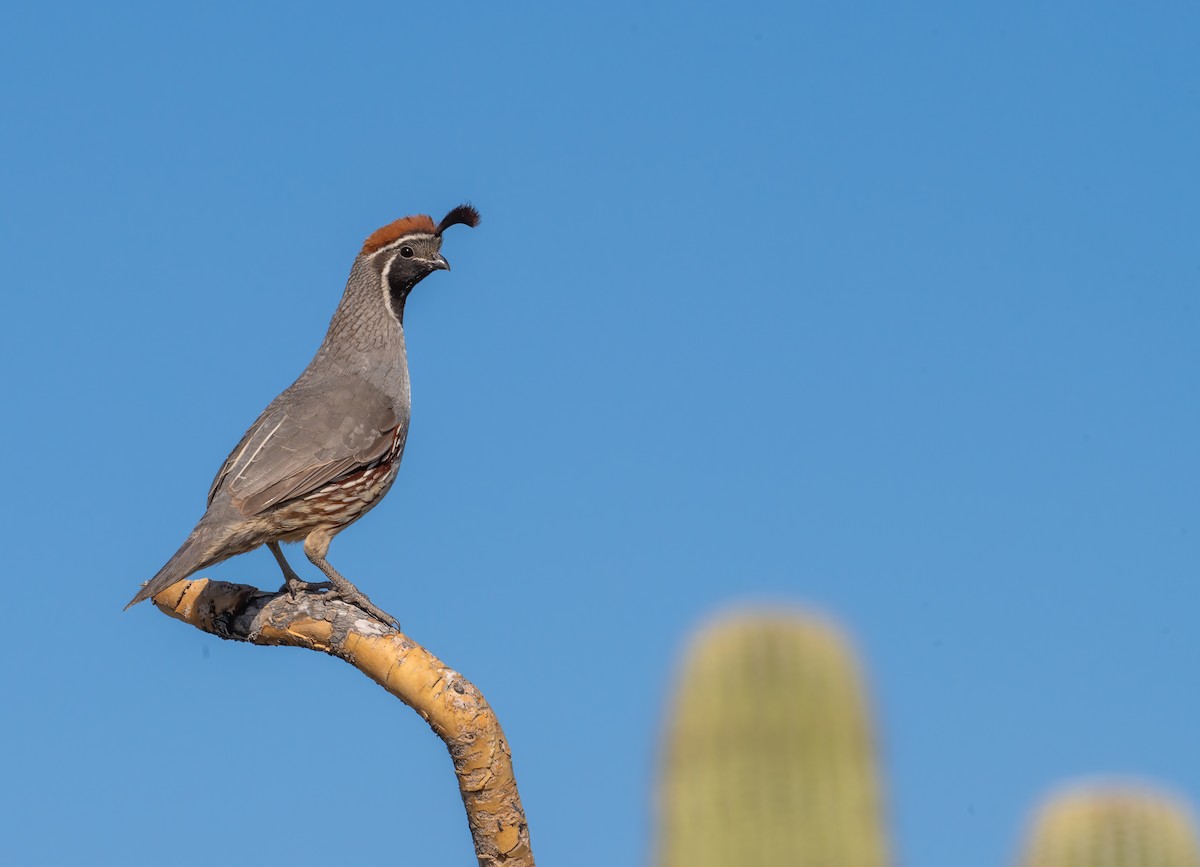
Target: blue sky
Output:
{"points": [[885, 312]]}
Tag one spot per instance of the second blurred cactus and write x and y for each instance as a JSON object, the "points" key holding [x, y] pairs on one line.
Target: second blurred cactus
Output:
{"points": [[1113, 826], [769, 757]]}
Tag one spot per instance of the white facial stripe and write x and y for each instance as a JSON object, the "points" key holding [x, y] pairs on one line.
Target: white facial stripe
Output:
{"points": [[387, 289], [404, 239]]}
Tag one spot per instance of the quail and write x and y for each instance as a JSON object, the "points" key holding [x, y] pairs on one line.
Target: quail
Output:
{"points": [[328, 448]]}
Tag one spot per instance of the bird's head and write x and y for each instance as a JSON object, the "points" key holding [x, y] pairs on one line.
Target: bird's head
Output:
{"points": [[406, 251]]}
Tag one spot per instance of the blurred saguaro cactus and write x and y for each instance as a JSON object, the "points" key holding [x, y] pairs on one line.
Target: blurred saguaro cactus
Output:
{"points": [[1112, 826], [769, 756]]}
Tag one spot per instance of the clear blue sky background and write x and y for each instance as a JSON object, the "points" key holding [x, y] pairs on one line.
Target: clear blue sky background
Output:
{"points": [[891, 313]]}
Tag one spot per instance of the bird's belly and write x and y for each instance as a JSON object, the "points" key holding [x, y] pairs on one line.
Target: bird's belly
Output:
{"points": [[335, 505]]}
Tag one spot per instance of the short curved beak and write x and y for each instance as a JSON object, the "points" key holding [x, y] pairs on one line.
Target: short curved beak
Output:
{"points": [[438, 262]]}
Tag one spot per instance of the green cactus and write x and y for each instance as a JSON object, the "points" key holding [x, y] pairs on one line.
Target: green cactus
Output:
{"points": [[769, 758], [1113, 826]]}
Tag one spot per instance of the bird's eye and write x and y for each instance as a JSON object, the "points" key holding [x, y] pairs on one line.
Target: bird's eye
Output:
{"points": [[406, 252]]}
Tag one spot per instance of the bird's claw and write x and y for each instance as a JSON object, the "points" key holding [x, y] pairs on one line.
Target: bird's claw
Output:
{"points": [[362, 602]]}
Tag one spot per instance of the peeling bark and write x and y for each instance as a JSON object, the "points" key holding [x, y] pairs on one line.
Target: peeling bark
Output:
{"points": [[455, 710]]}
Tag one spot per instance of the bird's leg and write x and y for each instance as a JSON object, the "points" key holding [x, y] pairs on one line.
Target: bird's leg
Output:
{"points": [[316, 546], [291, 581]]}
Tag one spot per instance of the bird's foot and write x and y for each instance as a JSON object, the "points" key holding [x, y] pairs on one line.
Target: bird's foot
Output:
{"points": [[375, 611], [294, 586], [292, 582], [314, 547], [348, 593], [351, 594]]}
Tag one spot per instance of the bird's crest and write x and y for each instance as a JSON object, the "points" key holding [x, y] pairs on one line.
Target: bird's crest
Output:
{"points": [[380, 238], [463, 214]]}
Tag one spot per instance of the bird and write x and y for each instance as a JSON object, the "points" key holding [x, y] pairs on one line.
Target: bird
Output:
{"points": [[328, 448]]}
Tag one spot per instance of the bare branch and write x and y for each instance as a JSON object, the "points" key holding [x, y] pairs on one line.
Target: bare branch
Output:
{"points": [[455, 710]]}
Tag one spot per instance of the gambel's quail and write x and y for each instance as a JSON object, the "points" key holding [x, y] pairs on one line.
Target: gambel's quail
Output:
{"points": [[328, 448]]}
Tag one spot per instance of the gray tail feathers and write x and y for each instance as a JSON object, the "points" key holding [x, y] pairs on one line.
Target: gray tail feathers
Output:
{"points": [[188, 559]]}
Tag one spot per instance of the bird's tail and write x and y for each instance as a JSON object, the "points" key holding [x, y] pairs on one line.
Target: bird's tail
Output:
{"points": [[189, 558]]}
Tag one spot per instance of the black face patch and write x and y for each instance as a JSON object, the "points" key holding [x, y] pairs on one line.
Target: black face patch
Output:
{"points": [[402, 275]]}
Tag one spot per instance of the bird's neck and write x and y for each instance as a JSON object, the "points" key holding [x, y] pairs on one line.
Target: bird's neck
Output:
{"points": [[364, 337]]}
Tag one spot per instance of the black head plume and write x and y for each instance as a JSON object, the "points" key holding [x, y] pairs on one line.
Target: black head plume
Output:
{"points": [[464, 214]]}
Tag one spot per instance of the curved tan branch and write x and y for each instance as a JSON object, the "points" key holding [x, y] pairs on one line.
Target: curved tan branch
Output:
{"points": [[455, 710]]}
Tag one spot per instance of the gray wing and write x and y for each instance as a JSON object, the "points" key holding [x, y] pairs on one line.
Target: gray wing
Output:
{"points": [[308, 437]]}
